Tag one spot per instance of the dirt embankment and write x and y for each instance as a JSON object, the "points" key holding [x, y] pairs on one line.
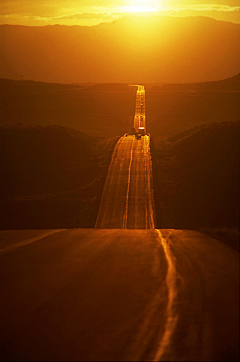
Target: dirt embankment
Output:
{"points": [[51, 177], [196, 179]]}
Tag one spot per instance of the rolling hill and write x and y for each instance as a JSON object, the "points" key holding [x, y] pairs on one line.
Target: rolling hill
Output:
{"points": [[51, 177], [197, 177], [107, 110]]}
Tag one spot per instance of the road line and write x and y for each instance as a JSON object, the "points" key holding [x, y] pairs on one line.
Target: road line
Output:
{"points": [[28, 241], [149, 188], [145, 181], [172, 317], [136, 186], [124, 225], [113, 158]]}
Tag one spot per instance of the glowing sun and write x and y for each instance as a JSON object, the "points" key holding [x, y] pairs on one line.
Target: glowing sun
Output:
{"points": [[141, 6]]}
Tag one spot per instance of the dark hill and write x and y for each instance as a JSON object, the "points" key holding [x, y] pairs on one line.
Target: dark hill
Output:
{"points": [[40, 158], [230, 84], [104, 110], [197, 178], [174, 108], [107, 110], [51, 177]]}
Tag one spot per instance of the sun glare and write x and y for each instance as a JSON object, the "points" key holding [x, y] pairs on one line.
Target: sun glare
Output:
{"points": [[140, 6], [139, 9]]}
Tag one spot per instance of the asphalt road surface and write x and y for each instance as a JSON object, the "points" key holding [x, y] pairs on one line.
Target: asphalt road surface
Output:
{"points": [[140, 114], [118, 294], [127, 200]]}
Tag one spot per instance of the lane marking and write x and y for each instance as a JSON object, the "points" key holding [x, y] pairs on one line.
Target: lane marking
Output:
{"points": [[172, 317], [103, 209], [124, 224], [147, 210], [150, 198], [29, 241], [137, 197]]}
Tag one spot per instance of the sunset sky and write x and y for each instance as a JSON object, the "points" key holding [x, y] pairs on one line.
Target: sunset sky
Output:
{"points": [[85, 12]]}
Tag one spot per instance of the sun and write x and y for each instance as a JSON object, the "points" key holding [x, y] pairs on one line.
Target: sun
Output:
{"points": [[141, 6]]}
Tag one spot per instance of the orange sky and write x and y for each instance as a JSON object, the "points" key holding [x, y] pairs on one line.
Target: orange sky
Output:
{"points": [[85, 12]]}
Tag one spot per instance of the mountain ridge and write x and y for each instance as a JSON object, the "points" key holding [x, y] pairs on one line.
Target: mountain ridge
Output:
{"points": [[171, 50]]}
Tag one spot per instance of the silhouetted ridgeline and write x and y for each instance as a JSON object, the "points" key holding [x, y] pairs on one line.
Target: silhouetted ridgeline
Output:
{"points": [[51, 177], [197, 178], [231, 84], [128, 50]]}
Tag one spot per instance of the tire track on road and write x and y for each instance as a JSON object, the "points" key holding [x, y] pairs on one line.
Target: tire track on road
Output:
{"points": [[29, 241]]}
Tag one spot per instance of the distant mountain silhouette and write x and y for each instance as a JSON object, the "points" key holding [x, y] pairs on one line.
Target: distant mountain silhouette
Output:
{"points": [[132, 49], [230, 84]]}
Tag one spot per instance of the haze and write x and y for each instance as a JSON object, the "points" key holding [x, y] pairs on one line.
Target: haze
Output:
{"points": [[162, 49], [27, 12]]}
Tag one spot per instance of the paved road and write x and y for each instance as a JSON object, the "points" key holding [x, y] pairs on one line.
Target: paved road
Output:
{"points": [[127, 200], [140, 114], [112, 293], [95, 294]]}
